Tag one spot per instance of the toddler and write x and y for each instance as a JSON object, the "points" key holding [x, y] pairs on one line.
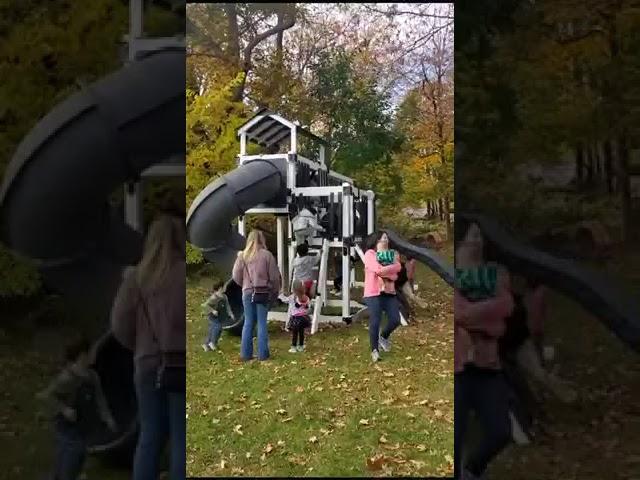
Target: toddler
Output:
{"points": [[298, 316], [218, 311]]}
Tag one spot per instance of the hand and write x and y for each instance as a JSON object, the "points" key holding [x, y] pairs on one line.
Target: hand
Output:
{"points": [[70, 414]]}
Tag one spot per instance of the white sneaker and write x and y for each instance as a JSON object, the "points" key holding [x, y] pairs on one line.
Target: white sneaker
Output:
{"points": [[517, 433], [301, 348], [293, 350], [384, 343], [212, 347], [375, 356], [205, 347]]}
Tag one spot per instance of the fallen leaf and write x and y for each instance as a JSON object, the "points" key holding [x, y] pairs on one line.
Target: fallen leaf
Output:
{"points": [[268, 448], [383, 439], [263, 457], [248, 455], [421, 448], [389, 374], [281, 443], [449, 459], [376, 462], [313, 439], [215, 420], [406, 393], [287, 419], [238, 429], [281, 411], [299, 389], [223, 464], [364, 421], [423, 402]]}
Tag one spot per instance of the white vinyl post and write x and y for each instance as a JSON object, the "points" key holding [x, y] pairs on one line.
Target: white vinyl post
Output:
{"points": [[133, 205], [347, 214], [133, 192], [136, 10], [241, 226], [281, 239], [371, 199], [291, 249], [243, 143]]}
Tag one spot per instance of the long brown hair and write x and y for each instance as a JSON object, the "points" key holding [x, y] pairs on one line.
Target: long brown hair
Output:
{"points": [[165, 243]]}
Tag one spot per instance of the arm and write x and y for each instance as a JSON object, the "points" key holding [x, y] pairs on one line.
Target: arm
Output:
{"points": [[486, 316], [51, 395], [238, 270], [123, 313]]}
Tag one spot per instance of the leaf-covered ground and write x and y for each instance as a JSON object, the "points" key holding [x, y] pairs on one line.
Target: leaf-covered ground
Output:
{"points": [[328, 411], [599, 436]]}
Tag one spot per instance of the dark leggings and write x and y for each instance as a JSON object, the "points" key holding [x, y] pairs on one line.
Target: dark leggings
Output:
{"points": [[486, 393], [297, 336]]}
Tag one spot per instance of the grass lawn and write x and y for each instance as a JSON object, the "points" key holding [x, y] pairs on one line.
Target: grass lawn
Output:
{"points": [[598, 437], [328, 411], [30, 355]]}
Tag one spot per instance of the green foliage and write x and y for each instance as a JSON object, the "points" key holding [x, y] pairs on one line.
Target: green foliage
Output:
{"points": [[353, 115], [212, 121], [48, 50]]}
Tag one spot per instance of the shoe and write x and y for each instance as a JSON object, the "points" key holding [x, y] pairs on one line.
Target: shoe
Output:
{"points": [[518, 434], [301, 348], [384, 343], [205, 347], [375, 356], [293, 349], [212, 346]]}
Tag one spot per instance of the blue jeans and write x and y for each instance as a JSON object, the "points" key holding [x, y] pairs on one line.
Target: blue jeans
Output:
{"points": [[162, 416], [254, 313], [377, 305], [215, 330], [71, 451], [485, 392]]}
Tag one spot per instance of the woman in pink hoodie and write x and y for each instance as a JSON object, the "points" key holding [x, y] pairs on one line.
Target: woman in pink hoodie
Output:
{"points": [[482, 303], [381, 268]]}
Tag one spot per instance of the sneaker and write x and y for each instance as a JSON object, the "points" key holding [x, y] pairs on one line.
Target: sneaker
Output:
{"points": [[293, 349], [375, 356], [384, 343], [212, 346], [301, 348], [205, 347]]}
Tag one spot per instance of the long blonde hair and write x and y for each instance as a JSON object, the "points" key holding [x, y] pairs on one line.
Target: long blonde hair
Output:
{"points": [[255, 242], [165, 243]]}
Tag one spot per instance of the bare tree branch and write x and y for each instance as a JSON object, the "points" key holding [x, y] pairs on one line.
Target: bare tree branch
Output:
{"points": [[400, 12]]}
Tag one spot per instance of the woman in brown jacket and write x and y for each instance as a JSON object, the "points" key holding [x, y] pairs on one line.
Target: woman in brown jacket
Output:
{"points": [[148, 317]]}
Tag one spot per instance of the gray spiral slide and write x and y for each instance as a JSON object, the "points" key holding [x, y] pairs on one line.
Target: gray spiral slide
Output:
{"points": [[54, 200], [209, 218]]}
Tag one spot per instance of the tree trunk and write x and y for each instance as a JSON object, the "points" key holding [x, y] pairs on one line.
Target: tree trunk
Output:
{"points": [[579, 165], [441, 208], [624, 186], [447, 216], [608, 166]]}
